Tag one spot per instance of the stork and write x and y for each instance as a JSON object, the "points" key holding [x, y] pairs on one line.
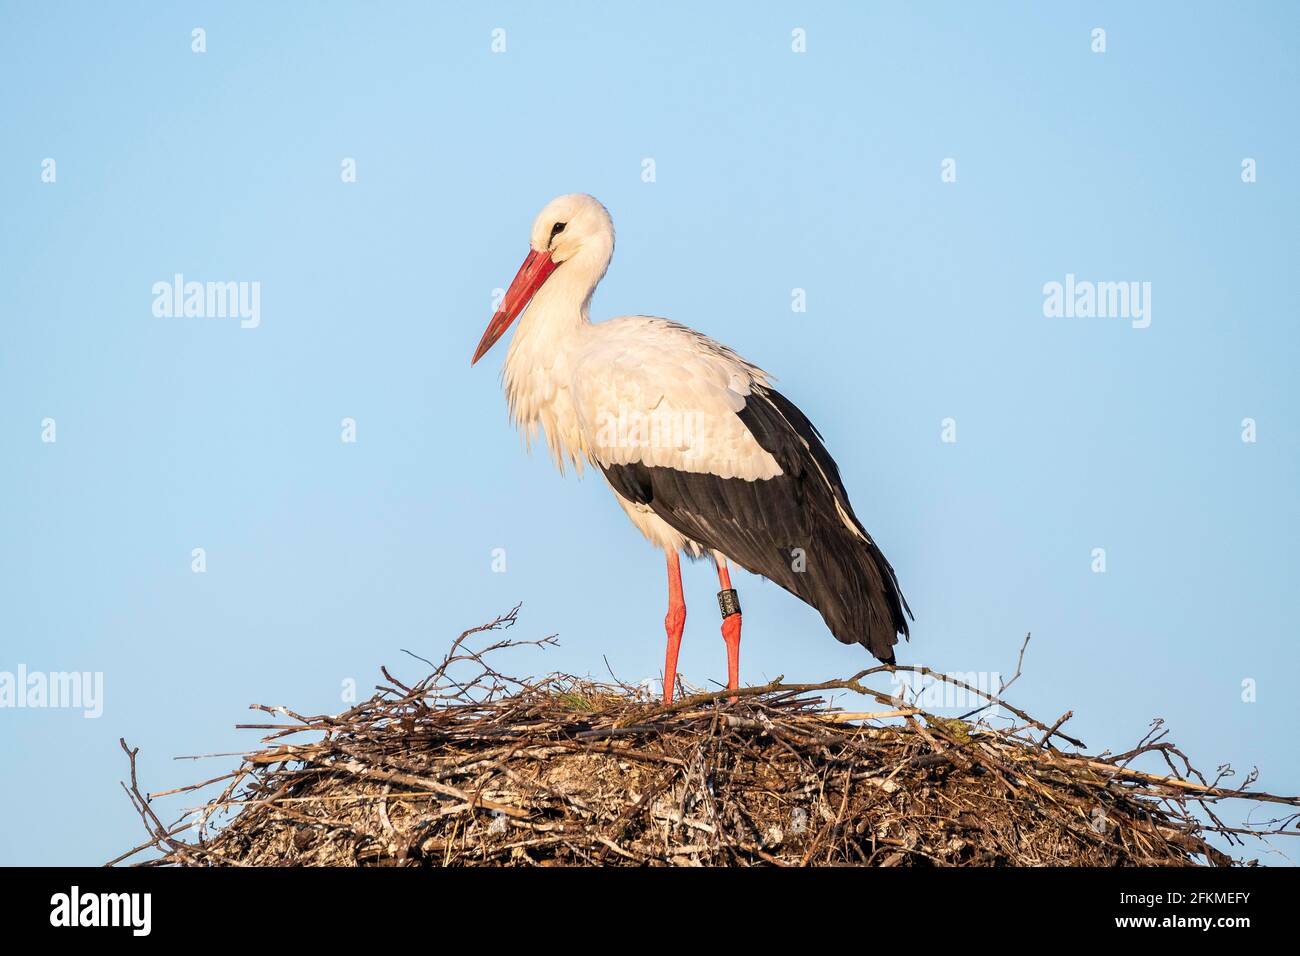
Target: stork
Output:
{"points": [[702, 453]]}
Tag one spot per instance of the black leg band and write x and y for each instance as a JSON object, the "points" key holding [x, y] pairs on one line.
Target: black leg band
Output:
{"points": [[728, 602]]}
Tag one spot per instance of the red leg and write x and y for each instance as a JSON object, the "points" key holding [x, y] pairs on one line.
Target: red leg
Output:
{"points": [[730, 606], [674, 622]]}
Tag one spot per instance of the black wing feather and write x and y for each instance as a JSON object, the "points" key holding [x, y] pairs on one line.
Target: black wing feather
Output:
{"points": [[787, 528]]}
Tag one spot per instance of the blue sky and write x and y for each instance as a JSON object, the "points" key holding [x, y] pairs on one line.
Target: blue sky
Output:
{"points": [[774, 170]]}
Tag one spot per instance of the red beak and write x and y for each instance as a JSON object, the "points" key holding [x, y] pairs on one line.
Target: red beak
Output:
{"points": [[528, 280]]}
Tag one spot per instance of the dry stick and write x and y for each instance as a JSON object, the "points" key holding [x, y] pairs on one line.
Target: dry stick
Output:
{"points": [[419, 796], [844, 717], [193, 786], [152, 823], [144, 846], [1002, 685], [1217, 793], [1060, 720]]}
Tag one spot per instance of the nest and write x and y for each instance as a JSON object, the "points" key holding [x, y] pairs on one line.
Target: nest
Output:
{"points": [[471, 767]]}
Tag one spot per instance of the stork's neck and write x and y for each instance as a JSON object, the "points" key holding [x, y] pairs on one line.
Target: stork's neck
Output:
{"points": [[538, 366], [558, 312]]}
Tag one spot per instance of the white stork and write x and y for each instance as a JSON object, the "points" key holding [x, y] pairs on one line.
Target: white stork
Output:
{"points": [[700, 451]]}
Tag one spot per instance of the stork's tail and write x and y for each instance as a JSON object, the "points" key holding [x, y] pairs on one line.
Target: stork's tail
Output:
{"points": [[856, 591]]}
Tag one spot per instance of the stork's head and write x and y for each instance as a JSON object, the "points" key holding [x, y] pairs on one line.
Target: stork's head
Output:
{"points": [[574, 229]]}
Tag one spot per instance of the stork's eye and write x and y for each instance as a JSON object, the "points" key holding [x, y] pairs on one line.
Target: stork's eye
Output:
{"points": [[557, 229]]}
